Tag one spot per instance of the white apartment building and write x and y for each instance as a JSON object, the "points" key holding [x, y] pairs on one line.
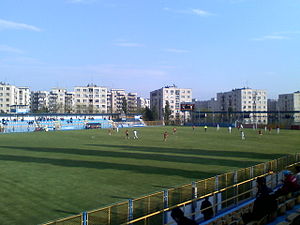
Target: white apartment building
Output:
{"points": [[39, 101], [290, 102], [12, 96], [175, 96], [245, 100], [143, 103], [90, 99], [57, 100]]}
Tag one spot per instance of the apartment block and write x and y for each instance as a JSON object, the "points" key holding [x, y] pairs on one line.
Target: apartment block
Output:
{"points": [[39, 101], [90, 99], [143, 103], [14, 97], [290, 102], [132, 102], [115, 98], [175, 96], [245, 100]]}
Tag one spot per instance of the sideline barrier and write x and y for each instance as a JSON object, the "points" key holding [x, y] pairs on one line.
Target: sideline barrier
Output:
{"points": [[225, 191]]}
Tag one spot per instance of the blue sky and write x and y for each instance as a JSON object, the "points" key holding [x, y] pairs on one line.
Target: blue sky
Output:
{"points": [[140, 45]]}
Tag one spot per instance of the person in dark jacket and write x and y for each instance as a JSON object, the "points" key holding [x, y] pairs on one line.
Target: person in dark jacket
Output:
{"points": [[206, 209], [180, 219], [264, 204]]}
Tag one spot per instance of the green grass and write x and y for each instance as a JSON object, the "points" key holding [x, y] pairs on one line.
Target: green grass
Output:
{"points": [[45, 176]]}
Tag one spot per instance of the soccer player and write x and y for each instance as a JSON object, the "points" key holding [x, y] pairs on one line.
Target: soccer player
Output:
{"points": [[127, 134], [229, 129], [205, 128], [218, 127], [243, 135], [135, 134], [174, 130], [165, 135]]}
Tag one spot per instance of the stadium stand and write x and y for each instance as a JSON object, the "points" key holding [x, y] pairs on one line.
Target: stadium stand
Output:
{"points": [[232, 195]]}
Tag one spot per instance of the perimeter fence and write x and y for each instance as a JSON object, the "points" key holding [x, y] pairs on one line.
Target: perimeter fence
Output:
{"points": [[224, 191]]}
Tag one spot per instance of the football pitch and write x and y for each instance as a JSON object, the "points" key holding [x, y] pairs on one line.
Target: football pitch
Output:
{"points": [[49, 175]]}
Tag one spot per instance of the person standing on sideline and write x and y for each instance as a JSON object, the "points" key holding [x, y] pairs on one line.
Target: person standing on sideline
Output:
{"points": [[135, 134], [193, 127], [205, 128], [165, 135], [229, 129], [218, 127], [278, 129], [243, 135]]}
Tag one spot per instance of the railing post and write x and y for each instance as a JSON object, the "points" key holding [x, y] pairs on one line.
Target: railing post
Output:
{"points": [[84, 218], [166, 205], [216, 200], [194, 196], [235, 178], [130, 210]]}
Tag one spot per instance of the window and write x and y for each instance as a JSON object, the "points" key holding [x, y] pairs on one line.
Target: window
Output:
{"points": [[7, 88]]}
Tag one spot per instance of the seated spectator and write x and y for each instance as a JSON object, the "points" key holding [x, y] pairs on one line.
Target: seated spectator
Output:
{"points": [[180, 219], [289, 184], [298, 174], [264, 204], [206, 209]]}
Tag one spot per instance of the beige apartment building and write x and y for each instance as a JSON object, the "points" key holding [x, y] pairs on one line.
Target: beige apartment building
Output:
{"points": [[115, 98], [290, 102], [90, 99], [175, 96], [245, 100], [132, 102]]}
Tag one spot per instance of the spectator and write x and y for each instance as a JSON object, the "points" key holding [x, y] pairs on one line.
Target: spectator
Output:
{"points": [[289, 184], [264, 204], [298, 174], [180, 219], [206, 209]]}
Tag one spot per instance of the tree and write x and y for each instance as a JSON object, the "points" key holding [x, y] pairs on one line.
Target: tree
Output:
{"points": [[167, 113], [148, 114], [124, 105]]}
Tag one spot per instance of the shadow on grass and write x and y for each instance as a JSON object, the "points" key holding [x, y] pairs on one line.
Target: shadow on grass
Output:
{"points": [[66, 212], [143, 154], [107, 165], [238, 154]]}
